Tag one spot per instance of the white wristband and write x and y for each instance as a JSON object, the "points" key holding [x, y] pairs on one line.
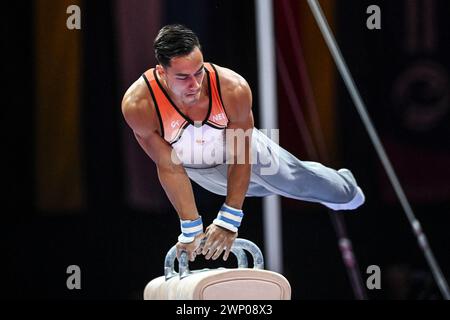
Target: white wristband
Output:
{"points": [[189, 229], [229, 218]]}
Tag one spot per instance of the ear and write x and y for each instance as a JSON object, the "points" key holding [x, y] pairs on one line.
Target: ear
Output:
{"points": [[161, 71]]}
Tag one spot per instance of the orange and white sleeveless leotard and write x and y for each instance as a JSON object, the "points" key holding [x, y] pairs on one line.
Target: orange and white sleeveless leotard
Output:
{"points": [[200, 144]]}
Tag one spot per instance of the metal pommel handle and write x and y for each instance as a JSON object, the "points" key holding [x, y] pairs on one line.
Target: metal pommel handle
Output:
{"points": [[237, 249]]}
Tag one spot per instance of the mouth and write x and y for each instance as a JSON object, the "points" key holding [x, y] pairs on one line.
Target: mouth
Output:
{"points": [[193, 93]]}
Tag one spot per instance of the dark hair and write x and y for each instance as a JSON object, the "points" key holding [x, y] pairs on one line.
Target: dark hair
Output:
{"points": [[172, 41]]}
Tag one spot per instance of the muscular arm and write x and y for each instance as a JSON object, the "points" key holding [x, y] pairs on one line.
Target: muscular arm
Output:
{"points": [[138, 111], [238, 101]]}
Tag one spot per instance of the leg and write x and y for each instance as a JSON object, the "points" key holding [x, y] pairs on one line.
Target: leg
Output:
{"points": [[303, 180], [215, 180], [209, 179], [288, 177]]}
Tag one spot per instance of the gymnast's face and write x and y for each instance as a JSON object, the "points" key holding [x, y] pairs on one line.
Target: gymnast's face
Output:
{"points": [[184, 77]]}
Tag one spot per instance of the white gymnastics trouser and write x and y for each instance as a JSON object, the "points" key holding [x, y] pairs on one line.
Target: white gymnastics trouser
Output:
{"points": [[276, 171]]}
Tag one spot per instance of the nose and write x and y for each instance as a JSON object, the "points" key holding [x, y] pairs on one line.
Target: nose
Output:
{"points": [[194, 84]]}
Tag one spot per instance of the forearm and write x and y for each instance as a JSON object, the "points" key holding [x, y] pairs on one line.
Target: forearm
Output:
{"points": [[178, 188], [223, 231], [237, 185]]}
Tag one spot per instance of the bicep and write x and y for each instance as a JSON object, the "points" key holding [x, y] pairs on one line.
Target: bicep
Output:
{"points": [[245, 121], [158, 150], [241, 124], [241, 115], [144, 126]]}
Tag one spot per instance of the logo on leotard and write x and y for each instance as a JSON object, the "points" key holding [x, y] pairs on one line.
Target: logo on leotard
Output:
{"points": [[175, 123], [218, 117]]}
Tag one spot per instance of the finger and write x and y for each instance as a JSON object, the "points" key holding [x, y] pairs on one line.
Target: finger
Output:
{"points": [[212, 249], [228, 248], [206, 247], [210, 253], [227, 253], [210, 238], [209, 241], [192, 256], [200, 247], [199, 250], [218, 252], [201, 241]]}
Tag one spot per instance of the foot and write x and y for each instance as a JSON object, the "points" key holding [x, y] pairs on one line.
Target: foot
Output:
{"points": [[357, 200]]}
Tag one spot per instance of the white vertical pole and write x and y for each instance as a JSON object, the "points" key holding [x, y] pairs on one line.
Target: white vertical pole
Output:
{"points": [[268, 118]]}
